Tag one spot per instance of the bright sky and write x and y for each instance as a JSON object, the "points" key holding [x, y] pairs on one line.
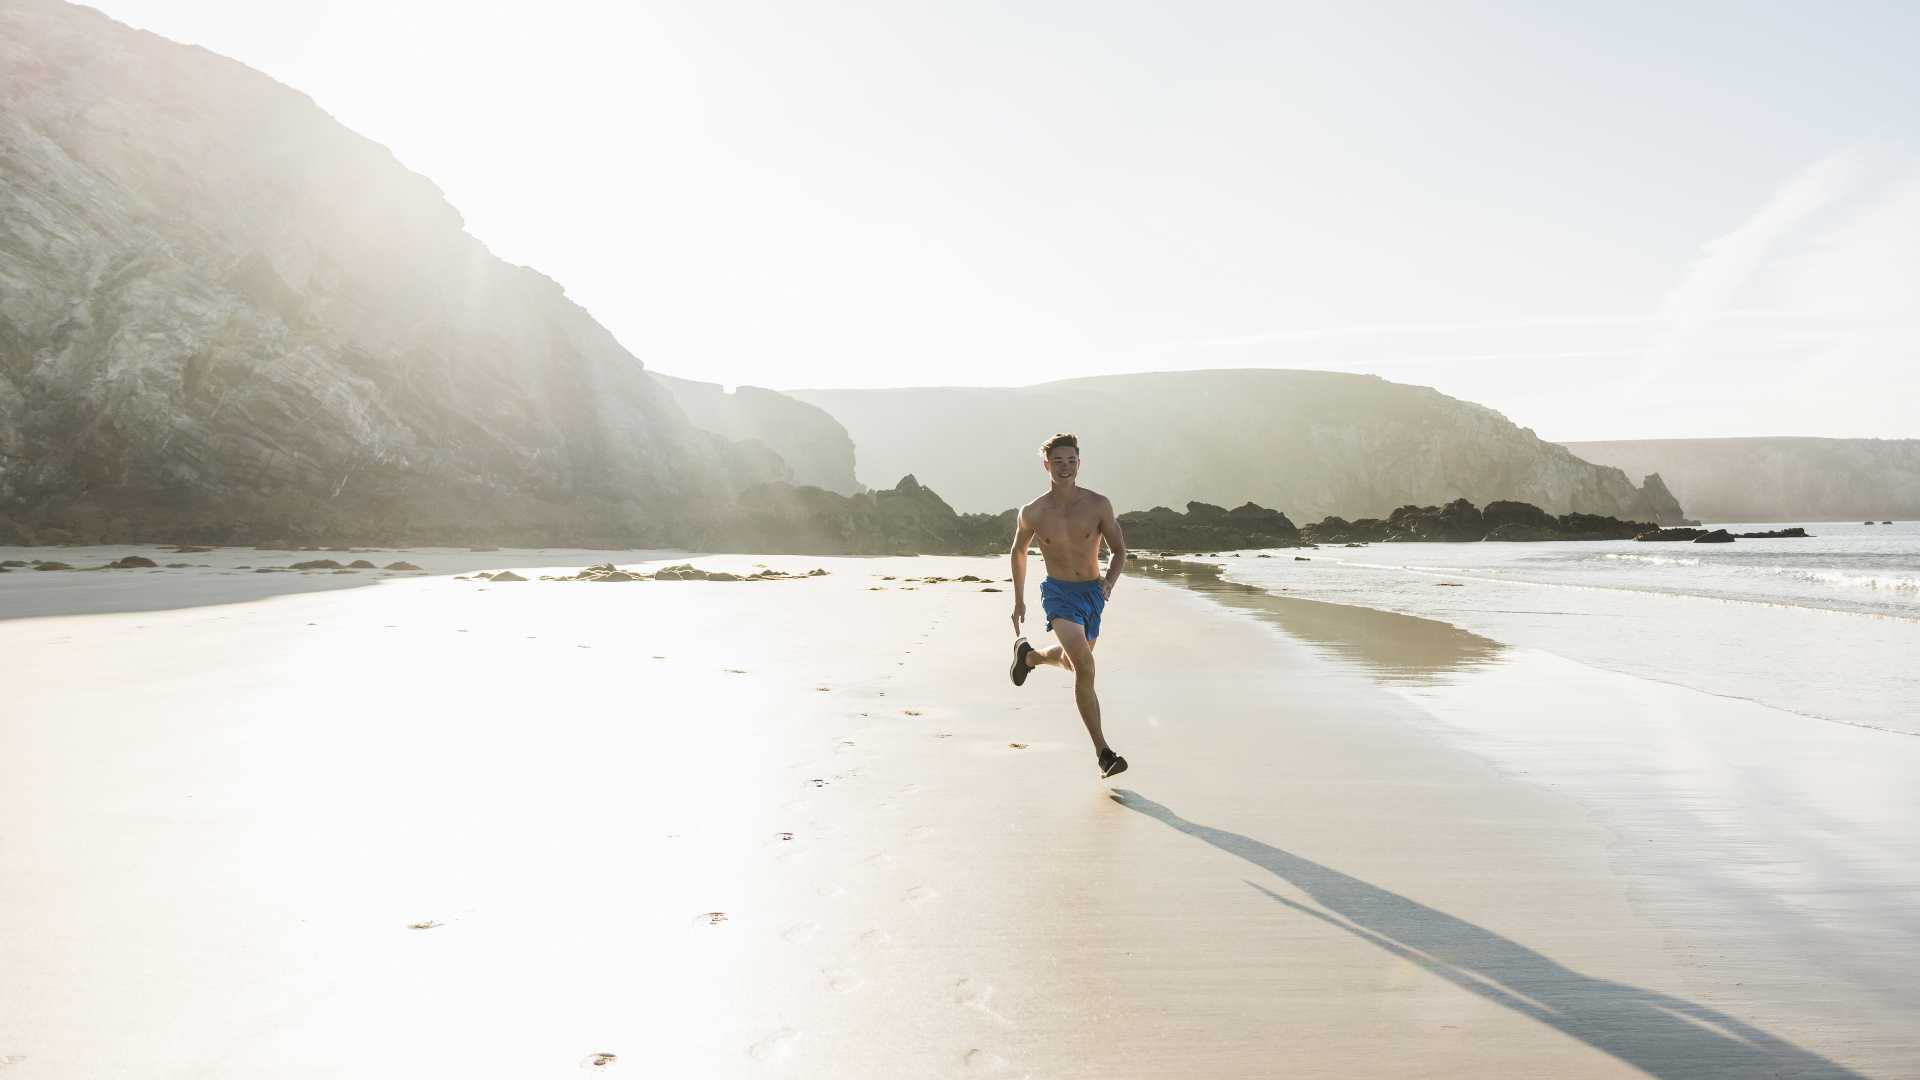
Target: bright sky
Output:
{"points": [[1615, 220]]}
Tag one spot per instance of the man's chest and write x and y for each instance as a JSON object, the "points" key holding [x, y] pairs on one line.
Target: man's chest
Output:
{"points": [[1074, 526]]}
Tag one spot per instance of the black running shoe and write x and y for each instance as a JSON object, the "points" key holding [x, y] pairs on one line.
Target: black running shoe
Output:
{"points": [[1111, 764], [1019, 669]]}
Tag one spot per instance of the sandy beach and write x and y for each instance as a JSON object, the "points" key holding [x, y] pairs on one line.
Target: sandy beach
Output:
{"points": [[316, 825]]}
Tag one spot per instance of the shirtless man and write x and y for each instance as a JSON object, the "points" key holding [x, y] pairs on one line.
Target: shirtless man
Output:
{"points": [[1069, 522]]}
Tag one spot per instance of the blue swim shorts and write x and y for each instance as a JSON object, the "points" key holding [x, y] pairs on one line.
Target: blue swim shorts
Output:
{"points": [[1075, 601]]}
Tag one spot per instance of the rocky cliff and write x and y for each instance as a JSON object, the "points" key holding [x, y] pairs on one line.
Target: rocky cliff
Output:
{"points": [[225, 316], [1310, 443], [1777, 479], [811, 442]]}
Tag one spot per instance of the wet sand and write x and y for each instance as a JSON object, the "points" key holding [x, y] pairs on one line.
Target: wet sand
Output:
{"points": [[807, 828]]}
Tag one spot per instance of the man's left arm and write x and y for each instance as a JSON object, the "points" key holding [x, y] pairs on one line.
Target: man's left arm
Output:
{"points": [[1110, 530]]}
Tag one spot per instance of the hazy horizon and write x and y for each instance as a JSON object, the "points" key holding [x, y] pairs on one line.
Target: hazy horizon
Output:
{"points": [[1606, 224]]}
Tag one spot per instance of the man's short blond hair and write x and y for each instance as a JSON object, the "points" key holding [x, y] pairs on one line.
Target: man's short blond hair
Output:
{"points": [[1060, 438]]}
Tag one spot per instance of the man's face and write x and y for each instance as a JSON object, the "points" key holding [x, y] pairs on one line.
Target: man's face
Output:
{"points": [[1063, 463]]}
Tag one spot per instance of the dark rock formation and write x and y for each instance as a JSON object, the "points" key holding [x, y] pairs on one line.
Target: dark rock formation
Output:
{"points": [[1207, 527], [1795, 533], [1459, 521], [130, 562], [316, 564], [1313, 442], [1671, 536], [1717, 536], [905, 519], [402, 566], [224, 317]]}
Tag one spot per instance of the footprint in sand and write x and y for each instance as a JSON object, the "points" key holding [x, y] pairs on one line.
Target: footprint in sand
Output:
{"points": [[427, 924], [777, 1045], [1016, 746], [922, 894], [979, 1062], [975, 995], [710, 918], [799, 932], [598, 1061], [844, 980], [911, 712]]}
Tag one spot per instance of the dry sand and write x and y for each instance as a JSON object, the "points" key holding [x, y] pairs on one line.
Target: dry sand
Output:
{"points": [[432, 827]]}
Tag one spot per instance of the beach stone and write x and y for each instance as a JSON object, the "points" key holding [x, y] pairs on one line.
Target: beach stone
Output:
{"points": [[361, 564], [129, 562], [13, 562], [51, 566], [1670, 535], [507, 575], [402, 566], [316, 564], [1717, 536]]}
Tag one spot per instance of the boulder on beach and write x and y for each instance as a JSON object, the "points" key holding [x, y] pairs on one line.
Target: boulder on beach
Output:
{"points": [[1670, 536], [51, 566], [402, 566], [507, 575], [316, 564], [1717, 536], [130, 562], [360, 564]]}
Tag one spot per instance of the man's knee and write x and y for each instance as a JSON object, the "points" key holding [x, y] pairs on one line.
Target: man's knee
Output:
{"points": [[1081, 662]]}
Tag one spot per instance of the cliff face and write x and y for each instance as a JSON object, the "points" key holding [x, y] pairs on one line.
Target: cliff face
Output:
{"points": [[1778, 479], [811, 442], [1310, 443], [222, 314]]}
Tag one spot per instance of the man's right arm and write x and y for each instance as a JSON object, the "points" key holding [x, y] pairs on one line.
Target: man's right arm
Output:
{"points": [[1022, 536]]}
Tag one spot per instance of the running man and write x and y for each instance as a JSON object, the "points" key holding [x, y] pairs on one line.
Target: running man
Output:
{"points": [[1069, 522]]}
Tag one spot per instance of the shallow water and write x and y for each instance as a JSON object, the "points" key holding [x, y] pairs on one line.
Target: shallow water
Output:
{"points": [[1827, 627]]}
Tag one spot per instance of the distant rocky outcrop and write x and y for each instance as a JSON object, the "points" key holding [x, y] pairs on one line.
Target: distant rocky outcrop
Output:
{"points": [[1312, 442], [1460, 522], [905, 519], [1776, 479], [815, 448], [1205, 527], [224, 317]]}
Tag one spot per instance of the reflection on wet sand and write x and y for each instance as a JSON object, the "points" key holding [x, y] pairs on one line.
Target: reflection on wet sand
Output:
{"points": [[1393, 648]]}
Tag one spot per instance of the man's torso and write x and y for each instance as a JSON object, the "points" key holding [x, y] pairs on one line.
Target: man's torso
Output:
{"points": [[1068, 533]]}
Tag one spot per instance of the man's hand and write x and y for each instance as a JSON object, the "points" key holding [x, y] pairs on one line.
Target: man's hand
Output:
{"points": [[1106, 588], [1019, 614]]}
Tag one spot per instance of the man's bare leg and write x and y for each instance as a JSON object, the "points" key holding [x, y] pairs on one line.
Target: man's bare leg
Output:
{"points": [[1076, 655]]}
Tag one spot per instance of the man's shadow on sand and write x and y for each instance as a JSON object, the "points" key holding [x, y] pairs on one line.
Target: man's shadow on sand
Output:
{"points": [[1658, 1034]]}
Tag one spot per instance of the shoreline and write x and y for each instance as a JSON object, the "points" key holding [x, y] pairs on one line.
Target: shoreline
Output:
{"points": [[680, 824]]}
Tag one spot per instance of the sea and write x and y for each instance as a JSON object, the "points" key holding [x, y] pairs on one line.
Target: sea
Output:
{"points": [[1827, 627]]}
